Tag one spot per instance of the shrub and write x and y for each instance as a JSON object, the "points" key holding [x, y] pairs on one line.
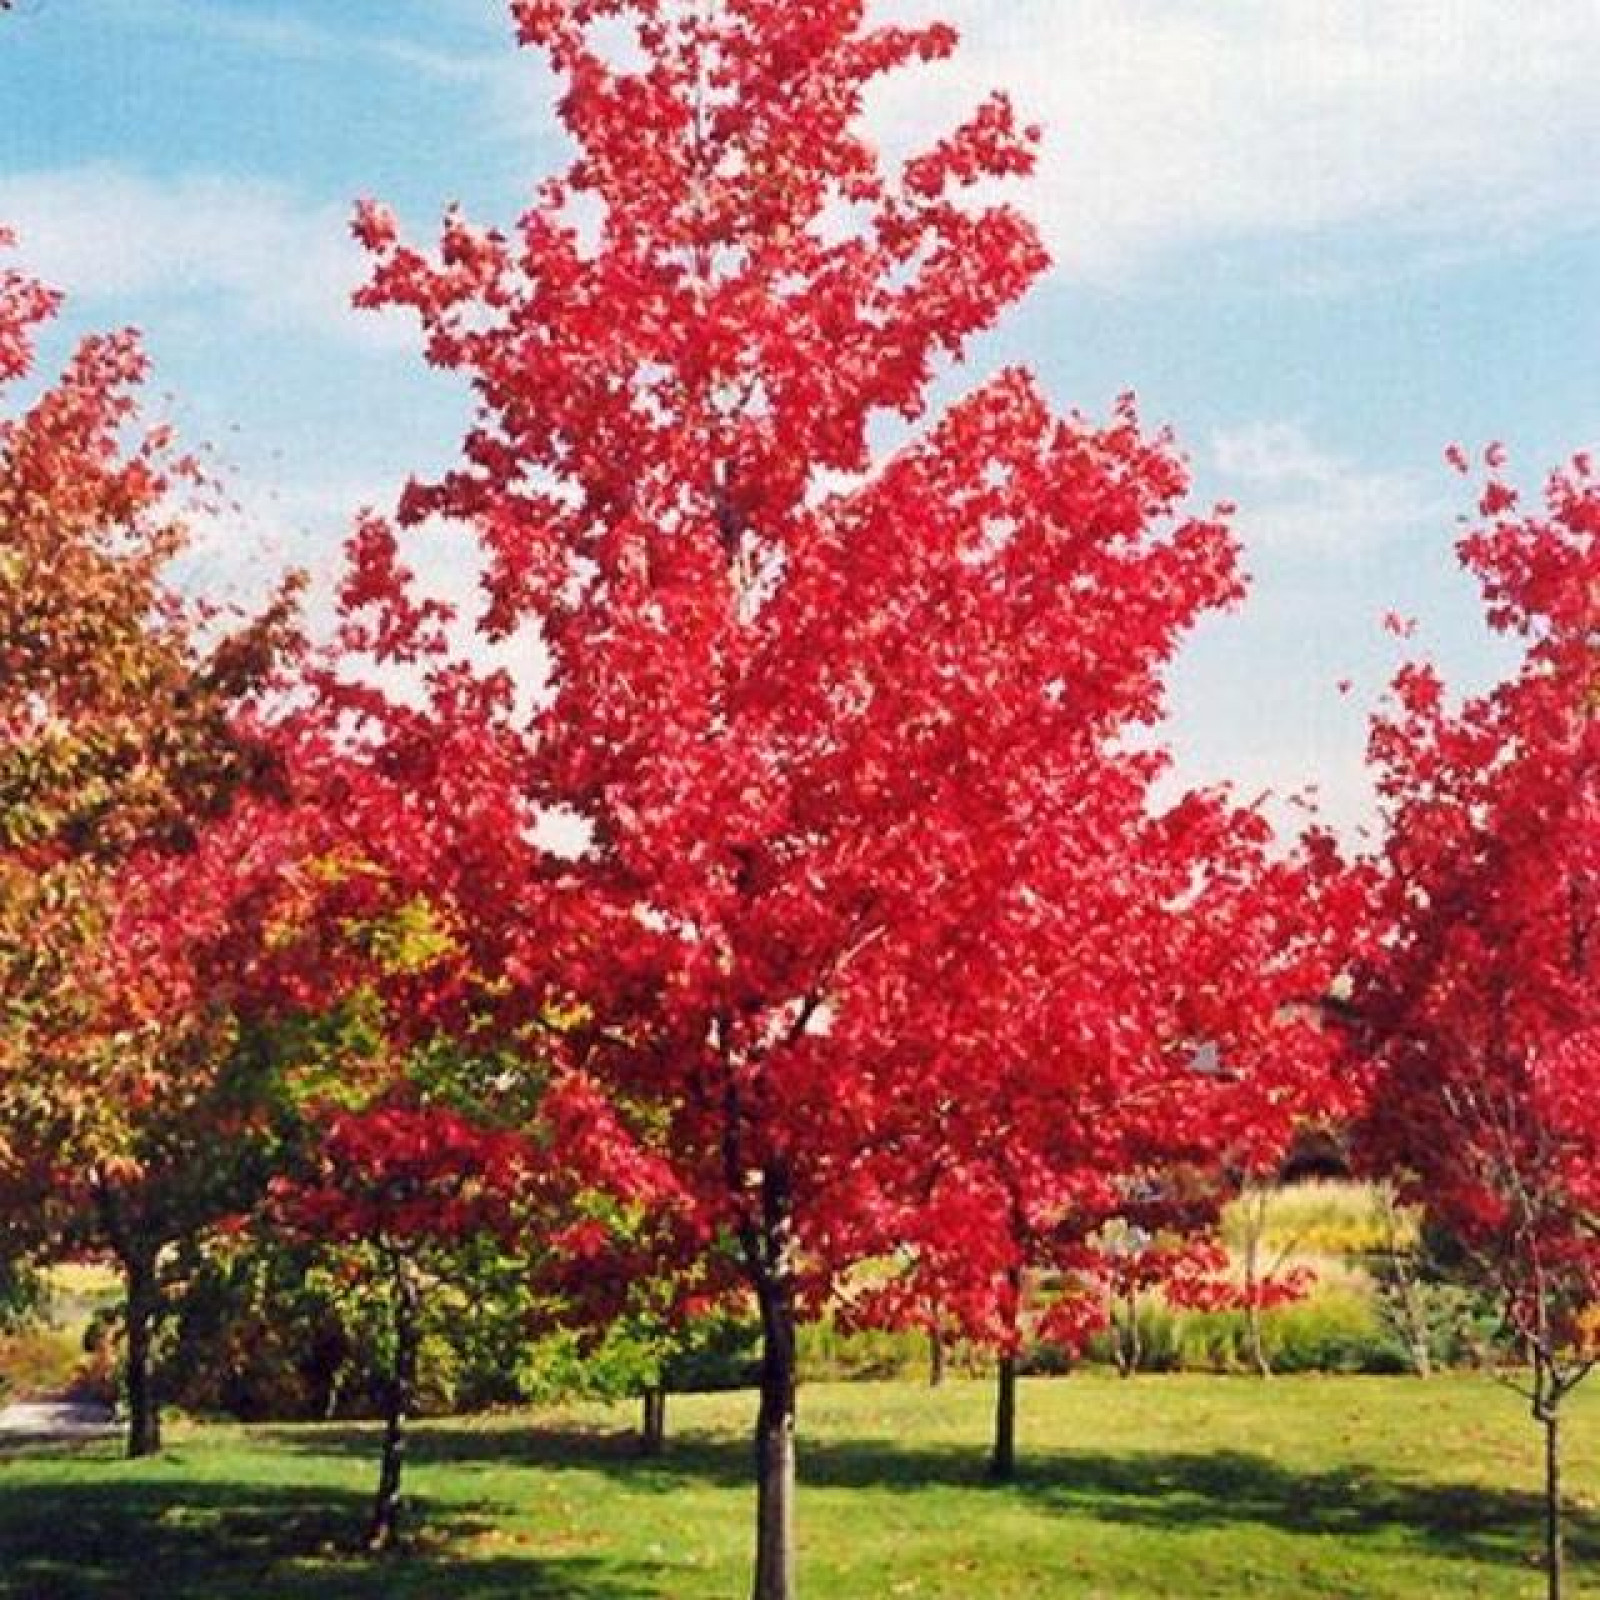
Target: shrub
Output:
{"points": [[1161, 1330], [829, 1353], [39, 1359], [1334, 1329], [1322, 1217]]}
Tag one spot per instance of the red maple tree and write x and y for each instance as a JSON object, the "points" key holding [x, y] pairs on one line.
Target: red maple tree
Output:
{"points": [[1119, 1047], [841, 729], [1480, 1011]]}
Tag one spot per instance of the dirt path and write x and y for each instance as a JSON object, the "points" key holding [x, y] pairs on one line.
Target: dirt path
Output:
{"points": [[53, 1421]]}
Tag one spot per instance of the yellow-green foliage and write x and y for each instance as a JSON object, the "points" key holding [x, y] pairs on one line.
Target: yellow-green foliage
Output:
{"points": [[39, 1360], [827, 1353], [89, 1282], [1325, 1217], [410, 938], [1336, 1328]]}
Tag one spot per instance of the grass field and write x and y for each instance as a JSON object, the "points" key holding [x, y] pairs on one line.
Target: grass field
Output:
{"points": [[1169, 1486]]}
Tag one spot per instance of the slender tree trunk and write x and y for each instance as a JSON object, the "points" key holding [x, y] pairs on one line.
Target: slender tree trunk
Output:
{"points": [[1255, 1231], [1554, 1544], [1403, 1284], [143, 1307], [653, 1421], [1003, 1458], [399, 1390], [1255, 1341], [936, 1357], [138, 1256], [1130, 1346], [1119, 1337], [775, 1444]]}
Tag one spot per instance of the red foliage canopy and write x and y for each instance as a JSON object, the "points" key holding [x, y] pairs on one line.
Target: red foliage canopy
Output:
{"points": [[852, 718], [1482, 1009], [850, 739], [404, 1174]]}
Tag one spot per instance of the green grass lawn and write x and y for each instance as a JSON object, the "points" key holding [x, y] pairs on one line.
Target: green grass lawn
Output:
{"points": [[1184, 1486]]}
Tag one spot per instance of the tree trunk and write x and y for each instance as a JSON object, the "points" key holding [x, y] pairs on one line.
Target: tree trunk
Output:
{"points": [[1255, 1342], [1401, 1283], [1130, 1345], [143, 1307], [936, 1357], [398, 1391], [1554, 1547], [653, 1421], [1255, 1230], [775, 1444], [1003, 1459]]}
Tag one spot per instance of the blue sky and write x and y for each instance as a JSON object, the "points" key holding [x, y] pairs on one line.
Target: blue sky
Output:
{"points": [[1322, 241]]}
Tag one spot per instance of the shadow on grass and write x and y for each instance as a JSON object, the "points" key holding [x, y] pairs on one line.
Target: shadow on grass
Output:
{"points": [[1159, 1490], [116, 1538]]}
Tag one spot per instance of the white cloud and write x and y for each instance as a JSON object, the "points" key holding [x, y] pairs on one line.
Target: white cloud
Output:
{"points": [[280, 33], [277, 261], [1454, 127], [513, 88], [1296, 497], [1180, 125], [244, 542], [240, 548]]}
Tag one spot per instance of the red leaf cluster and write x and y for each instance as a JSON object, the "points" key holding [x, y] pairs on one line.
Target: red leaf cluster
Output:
{"points": [[1478, 1013]]}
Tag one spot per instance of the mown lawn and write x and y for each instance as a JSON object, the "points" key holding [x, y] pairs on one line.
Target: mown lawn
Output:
{"points": [[1189, 1486]]}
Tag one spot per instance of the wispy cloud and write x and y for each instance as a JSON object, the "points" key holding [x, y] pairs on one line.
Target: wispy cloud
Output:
{"points": [[265, 30], [1404, 137], [1177, 126], [511, 89], [261, 30], [272, 258], [1296, 497], [257, 531]]}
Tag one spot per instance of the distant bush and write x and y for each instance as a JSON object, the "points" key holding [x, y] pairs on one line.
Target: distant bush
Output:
{"points": [[267, 1331], [1161, 1331], [1418, 1291], [713, 1352], [722, 1353], [1332, 1217], [263, 1329], [45, 1327], [1334, 1329], [831, 1354], [259, 1337], [40, 1358]]}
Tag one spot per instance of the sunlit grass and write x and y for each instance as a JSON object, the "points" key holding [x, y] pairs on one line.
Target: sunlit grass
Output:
{"points": [[1162, 1487]]}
